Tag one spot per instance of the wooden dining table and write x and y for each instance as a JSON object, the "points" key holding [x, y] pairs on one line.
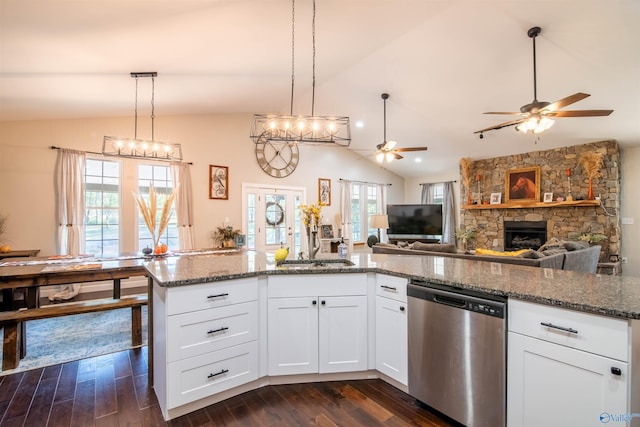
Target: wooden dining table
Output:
{"points": [[31, 274]]}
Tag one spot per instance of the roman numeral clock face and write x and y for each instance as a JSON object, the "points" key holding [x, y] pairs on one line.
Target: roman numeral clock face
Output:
{"points": [[276, 158]]}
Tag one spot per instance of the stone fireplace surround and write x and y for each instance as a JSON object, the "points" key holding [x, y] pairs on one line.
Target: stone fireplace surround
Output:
{"points": [[563, 222]]}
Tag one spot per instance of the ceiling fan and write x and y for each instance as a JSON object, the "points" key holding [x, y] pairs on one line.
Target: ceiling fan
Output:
{"points": [[387, 151], [536, 116]]}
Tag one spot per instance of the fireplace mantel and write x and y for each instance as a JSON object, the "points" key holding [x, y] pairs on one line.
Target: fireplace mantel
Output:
{"points": [[512, 205]]}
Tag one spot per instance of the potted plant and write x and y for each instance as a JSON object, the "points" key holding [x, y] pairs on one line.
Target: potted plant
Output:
{"points": [[465, 235], [592, 238], [225, 236]]}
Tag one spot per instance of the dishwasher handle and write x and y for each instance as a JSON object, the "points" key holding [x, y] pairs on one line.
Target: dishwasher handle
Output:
{"points": [[448, 300]]}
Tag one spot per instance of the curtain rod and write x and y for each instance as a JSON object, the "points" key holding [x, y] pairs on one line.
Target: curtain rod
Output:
{"points": [[53, 147], [364, 182], [442, 182]]}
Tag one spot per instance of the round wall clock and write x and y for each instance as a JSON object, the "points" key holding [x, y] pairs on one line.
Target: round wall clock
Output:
{"points": [[277, 158]]}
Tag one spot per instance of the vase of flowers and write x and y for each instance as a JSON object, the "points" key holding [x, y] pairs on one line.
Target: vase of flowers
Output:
{"points": [[310, 215]]}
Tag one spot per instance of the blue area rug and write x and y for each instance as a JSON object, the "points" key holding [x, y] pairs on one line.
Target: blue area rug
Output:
{"points": [[63, 339]]}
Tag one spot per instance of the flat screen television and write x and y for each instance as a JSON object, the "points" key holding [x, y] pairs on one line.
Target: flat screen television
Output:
{"points": [[414, 221]]}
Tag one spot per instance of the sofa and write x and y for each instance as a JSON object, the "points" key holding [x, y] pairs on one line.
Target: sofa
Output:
{"points": [[562, 255]]}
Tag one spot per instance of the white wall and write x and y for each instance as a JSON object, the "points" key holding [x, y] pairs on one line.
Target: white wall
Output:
{"points": [[27, 169], [630, 208]]}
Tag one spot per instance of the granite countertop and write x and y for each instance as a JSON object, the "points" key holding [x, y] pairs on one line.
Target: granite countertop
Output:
{"points": [[615, 296]]}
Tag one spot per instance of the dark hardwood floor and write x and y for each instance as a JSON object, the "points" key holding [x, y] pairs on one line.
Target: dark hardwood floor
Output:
{"points": [[112, 390]]}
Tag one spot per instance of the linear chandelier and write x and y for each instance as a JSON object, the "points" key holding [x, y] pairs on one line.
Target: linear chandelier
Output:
{"points": [[301, 128], [140, 148]]}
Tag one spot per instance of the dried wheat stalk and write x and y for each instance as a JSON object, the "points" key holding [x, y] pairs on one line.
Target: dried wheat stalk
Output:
{"points": [[465, 165], [592, 164], [149, 212]]}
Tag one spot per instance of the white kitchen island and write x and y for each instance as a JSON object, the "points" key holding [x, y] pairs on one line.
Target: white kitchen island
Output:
{"points": [[225, 324]]}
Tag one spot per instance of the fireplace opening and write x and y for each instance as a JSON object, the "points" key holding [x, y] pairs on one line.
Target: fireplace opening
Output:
{"points": [[524, 235]]}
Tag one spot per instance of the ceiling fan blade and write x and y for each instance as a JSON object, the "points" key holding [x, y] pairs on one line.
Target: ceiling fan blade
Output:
{"points": [[501, 125], [580, 113], [507, 113], [397, 156], [411, 149], [561, 103]]}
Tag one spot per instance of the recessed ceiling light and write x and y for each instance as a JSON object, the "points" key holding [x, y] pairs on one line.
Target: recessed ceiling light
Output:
{"points": [[418, 160], [359, 124]]}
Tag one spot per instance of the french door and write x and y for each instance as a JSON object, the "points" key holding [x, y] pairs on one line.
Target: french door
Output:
{"points": [[270, 216]]}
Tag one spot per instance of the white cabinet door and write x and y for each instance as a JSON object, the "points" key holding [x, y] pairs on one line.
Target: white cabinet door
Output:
{"points": [[343, 334], [293, 335], [550, 384], [391, 338]]}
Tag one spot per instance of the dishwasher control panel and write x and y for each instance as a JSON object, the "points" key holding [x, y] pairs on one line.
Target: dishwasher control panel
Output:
{"points": [[486, 308]]}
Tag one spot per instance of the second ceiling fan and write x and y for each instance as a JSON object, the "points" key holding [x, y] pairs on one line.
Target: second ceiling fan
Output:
{"points": [[536, 116], [387, 151]]}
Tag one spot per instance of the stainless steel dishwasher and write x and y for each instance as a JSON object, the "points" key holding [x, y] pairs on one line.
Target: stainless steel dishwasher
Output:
{"points": [[457, 353]]}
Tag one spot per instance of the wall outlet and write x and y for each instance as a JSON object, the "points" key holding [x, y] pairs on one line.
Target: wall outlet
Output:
{"points": [[623, 259], [627, 221]]}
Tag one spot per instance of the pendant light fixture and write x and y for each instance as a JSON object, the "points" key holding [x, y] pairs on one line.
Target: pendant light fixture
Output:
{"points": [[139, 148], [301, 128]]}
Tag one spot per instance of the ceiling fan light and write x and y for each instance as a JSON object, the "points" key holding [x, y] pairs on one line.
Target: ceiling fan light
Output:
{"points": [[389, 157], [390, 145], [380, 157], [531, 123]]}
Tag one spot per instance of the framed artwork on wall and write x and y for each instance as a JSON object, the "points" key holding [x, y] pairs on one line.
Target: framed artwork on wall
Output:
{"points": [[324, 191], [327, 231], [548, 197], [218, 182], [496, 198], [522, 185]]}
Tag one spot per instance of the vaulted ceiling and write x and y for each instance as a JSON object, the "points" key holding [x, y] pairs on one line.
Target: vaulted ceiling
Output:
{"points": [[444, 63]]}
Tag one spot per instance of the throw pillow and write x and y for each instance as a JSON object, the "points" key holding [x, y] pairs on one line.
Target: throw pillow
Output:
{"points": [[386, 245], [531, 254], [553, 251], [481, 251], [576, 245], [434, 247]]}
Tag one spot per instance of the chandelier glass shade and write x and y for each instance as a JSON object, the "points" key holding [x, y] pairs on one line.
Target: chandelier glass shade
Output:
{"points": [[300, 128], [311, 129], [535, 124], [140, 148]]}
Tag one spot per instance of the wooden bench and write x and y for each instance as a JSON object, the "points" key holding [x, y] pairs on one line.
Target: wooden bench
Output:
{"points": [[14, 349]]}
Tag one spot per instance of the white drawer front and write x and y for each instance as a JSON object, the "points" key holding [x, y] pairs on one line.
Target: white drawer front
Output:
{"points": [[596, 334], [191, 334], [184, 299], [391, 287], [311, 285], [201, 376]]}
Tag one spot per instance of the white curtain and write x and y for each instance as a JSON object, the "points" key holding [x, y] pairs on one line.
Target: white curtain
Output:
{"points": [[427, 194], [346, 189], [448, 214], [69, 184], [183, 203], [381, 201]]}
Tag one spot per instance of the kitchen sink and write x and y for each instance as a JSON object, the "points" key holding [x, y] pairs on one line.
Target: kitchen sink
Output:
{"points": [[315, 263]]}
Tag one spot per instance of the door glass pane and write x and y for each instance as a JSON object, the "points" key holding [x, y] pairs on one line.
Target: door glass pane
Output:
{"points": [[275, 219], [251, 220]]}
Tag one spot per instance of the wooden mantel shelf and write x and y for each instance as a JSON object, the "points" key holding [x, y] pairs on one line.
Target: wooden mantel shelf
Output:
{"points": [[514, 205]]}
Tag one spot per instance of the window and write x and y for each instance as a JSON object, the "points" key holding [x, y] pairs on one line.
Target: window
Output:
{"points": [[102, 208], [364, 203], [438, 194], [160, 177]]}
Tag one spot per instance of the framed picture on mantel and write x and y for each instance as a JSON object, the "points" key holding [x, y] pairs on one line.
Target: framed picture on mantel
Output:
{"points": [[522, 185]]}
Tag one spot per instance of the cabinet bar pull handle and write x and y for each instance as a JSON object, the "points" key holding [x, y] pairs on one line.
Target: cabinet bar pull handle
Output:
{"points": [[223, 371], [562, 328], [391, 288], [218, 296], [213, 331]]}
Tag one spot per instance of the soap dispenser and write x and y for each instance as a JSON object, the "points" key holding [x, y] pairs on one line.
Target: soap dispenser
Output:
{"points": [[343, 249]]}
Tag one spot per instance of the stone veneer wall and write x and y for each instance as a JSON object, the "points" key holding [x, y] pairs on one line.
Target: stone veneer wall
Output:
{"points": [[562, 222]]}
